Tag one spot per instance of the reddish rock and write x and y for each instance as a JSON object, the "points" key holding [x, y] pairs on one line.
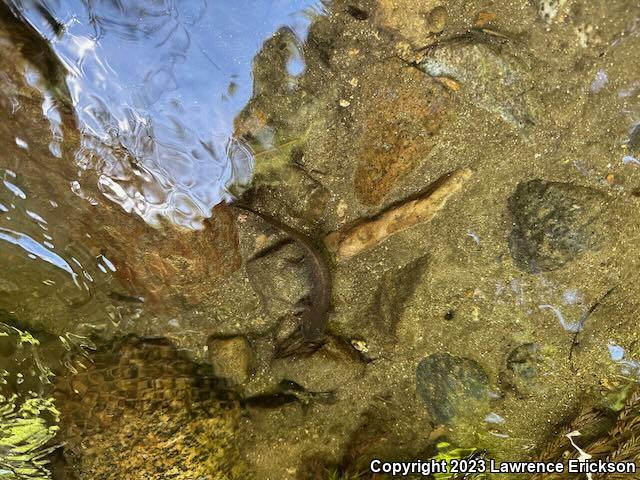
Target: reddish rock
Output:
{"points": [[403, 112]]}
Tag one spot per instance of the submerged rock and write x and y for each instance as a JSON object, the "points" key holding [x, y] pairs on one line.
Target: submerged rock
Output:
{"points": [[634, 140], [143, 408], [279, 279], [231, 358], [553, 223], [437, 19], [451, 387], [494, 75], [414, 21], [405, 113], [522, 369]]}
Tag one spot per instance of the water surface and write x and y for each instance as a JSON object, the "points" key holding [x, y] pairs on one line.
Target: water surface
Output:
{"points": [[155, 87]]}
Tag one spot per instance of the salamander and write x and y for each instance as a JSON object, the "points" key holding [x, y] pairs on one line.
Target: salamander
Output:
{"points": [[314, 317]]}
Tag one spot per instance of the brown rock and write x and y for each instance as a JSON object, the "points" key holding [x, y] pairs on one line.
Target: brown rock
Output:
{"points": [[170, 266], [404, 111], [231, 357], [483, 18], [407, 19], [437, 19]]}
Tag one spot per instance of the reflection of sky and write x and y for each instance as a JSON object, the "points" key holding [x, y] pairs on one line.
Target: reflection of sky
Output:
{"points": [[36, 249], [569, 326], [27, 224], [628, 366], [154, 77], [26, 228]]}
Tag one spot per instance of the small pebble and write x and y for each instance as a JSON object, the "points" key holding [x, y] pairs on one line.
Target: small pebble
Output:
{"points": [[437, 19], [360, 345], [482, 18], [21, 143], [344, 103]]}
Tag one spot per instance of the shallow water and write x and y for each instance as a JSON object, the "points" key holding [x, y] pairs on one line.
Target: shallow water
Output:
{"points": [[155, 88], [146, 93]]}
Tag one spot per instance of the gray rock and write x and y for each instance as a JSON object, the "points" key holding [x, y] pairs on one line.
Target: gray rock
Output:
{"points": [[522, 369], [553, 223], [231, 358], [495, 75], [634, 140], [451, 387]]}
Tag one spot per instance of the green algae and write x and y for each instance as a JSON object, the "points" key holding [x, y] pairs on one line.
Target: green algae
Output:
{"points": [[448, 453], [25, 436], [28, 420]]}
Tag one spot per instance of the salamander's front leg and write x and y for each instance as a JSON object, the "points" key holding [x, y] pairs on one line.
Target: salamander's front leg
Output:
{"points": [[297, 344]]}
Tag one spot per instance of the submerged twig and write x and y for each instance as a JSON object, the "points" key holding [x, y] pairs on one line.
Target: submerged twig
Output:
{"points": [[354, 239], [583, 320]]}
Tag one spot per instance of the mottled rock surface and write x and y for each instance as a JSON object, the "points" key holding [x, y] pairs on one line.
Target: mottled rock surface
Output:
{"points": [[494, 74], [404, 115], [143, 410], [231, 357], [523, 369], [553, 223], [278, 277], [452, 387]]}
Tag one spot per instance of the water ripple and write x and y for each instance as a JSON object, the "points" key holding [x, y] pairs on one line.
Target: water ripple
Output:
{"points": [[149, 82], [32, 247]]}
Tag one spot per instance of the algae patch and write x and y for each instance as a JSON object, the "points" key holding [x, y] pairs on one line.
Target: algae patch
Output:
{"points": [[28, 420]]}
